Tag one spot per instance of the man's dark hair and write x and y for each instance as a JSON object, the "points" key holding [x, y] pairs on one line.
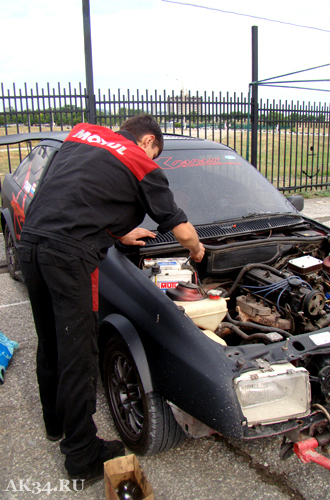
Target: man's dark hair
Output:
{"points": [[141, 125]]}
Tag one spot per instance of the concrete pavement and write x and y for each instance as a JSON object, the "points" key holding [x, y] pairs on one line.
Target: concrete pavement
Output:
{"points": [[318, 209]]}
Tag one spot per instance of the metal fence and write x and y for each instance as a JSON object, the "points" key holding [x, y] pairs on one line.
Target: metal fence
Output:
{"points": [[293, 138]]}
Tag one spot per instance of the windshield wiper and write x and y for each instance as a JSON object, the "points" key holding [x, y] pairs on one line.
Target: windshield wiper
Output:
{"points": [[253, 214], [268, 214]]}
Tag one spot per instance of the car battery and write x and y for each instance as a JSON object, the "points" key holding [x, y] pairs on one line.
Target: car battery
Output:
{"points": [[170, 272]]}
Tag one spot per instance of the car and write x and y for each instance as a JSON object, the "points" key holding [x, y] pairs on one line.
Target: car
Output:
{"points": [[238, 344]]}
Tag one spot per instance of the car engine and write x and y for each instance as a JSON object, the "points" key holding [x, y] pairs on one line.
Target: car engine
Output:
{"points": [[263, 302], [293, 300]]}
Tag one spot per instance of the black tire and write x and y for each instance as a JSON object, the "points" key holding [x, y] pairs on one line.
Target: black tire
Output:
{"points": [[145, 422], [11, 254]]}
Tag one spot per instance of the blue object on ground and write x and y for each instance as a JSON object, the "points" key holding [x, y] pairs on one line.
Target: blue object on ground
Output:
{"points": [[6, 352]]}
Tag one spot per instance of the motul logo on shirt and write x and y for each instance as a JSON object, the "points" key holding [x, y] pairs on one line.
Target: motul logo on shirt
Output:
{"points": [[97, 139], [126, 151]]}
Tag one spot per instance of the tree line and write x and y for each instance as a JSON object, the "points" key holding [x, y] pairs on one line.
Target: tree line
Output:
{"points": [[65, 115], [71, 115]]}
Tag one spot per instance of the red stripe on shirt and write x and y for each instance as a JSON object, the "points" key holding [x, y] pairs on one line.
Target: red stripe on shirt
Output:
{"points": [[131, 155]]}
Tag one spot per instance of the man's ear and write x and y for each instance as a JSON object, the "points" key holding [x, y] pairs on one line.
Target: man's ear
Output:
{"points": [[147, 140]]}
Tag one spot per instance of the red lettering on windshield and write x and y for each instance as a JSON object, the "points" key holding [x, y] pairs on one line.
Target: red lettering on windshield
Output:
{"points": [[167, 162]]}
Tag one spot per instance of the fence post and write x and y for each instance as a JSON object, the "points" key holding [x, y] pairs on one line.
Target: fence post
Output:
{"points": [[90, 98], [254, 99]]}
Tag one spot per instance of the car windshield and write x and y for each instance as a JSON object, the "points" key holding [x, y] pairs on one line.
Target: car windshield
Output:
{"points": [[218, 185]]}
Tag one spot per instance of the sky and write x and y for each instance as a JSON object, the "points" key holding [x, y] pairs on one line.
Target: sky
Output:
{"points": [[160, 45]]}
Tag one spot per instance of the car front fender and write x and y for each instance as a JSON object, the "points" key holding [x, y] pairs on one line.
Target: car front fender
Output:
{"points": [[116, 323], [187, 368]]}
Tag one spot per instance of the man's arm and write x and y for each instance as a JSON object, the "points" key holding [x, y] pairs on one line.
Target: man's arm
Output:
{"points": [[186, 234]]}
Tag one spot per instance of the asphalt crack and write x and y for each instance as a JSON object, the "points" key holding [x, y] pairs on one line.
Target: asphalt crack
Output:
{"points": [[266, 475]]}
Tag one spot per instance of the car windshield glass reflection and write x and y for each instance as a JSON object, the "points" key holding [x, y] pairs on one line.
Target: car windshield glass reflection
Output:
{"points": [[218, 185]]}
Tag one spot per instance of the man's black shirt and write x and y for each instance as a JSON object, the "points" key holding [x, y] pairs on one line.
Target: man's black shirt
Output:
{"points": [[98, 188]]}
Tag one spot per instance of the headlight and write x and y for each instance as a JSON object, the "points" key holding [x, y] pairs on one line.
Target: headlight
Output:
{"points": [[281, 393]]}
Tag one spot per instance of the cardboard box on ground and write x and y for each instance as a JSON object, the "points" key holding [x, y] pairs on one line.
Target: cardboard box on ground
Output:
{"points": [[121, 468]]}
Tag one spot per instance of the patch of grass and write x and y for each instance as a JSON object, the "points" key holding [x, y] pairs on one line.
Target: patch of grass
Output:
{"points": [[317, 194]]}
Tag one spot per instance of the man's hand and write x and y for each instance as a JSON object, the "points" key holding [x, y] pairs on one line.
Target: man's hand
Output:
{"points": [[198, 256], [133, 237]]}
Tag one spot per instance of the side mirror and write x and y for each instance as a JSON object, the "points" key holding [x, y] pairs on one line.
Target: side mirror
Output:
{"points": [[297, 201]]}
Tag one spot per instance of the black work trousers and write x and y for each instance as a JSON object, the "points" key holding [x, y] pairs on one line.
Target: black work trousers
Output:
{"points": [[63, 293]]}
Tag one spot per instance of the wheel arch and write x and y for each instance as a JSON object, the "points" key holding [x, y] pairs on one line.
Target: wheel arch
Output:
{"points": [[6, 218], [115, 324]]}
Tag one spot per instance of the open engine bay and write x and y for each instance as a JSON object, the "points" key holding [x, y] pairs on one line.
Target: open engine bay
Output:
{"points": [[276, 282]]}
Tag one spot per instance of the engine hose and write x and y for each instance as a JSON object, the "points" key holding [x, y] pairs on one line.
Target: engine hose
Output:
{"points": [[234, 328], [320, 407], [262, 328], [246, 268]]}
